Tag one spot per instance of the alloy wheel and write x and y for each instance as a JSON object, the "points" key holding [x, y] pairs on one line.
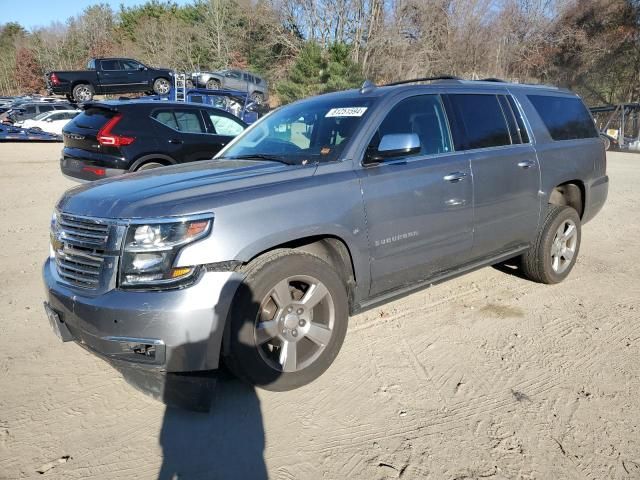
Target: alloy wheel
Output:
{"points": [[564, 246], [295, 323]]}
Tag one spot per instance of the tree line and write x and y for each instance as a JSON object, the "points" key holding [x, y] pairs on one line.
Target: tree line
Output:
{"points": [[305, 47]]}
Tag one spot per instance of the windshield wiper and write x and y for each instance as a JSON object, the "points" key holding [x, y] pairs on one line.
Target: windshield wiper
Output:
{"points": [[259, 156]]}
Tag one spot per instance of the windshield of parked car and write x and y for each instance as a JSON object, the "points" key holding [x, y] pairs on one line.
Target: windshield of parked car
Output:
{"points": [[309, 131]]}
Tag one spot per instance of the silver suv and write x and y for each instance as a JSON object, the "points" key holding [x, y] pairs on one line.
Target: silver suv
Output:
{"points": [[322, 209], [233, 80]]}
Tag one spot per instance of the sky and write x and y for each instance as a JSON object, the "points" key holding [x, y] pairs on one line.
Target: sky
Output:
{"points": [[35, 13]]}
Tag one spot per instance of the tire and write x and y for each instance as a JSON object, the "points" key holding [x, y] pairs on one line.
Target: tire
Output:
{"points": [[161, 86], [257, 97], [314, 333], [83, 92], [213, 84], [553, 255], [149, 166], [189, 83]]}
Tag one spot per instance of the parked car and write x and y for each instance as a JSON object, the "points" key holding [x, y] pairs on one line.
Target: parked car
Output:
{"points": [[233, 80], [109, 75], [51, 122], [23, 111], [324, 208], [115, 137]]}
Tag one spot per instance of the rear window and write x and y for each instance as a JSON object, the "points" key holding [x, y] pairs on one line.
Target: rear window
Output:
{"points": [[482, 120], [566, 118], [93, 118]]}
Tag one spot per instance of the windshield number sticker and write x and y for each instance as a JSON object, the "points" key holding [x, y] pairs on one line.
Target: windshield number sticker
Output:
{"points": [[346, 112]]}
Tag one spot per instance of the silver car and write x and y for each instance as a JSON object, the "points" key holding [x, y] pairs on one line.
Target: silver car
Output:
{"points": [[233, 80], [324, 208]]}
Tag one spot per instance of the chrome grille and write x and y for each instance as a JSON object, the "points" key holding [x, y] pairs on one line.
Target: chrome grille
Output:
{"points": [[80, 245]]}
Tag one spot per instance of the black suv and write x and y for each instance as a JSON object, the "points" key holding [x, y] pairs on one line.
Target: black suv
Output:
{"points": [[115, 137]]}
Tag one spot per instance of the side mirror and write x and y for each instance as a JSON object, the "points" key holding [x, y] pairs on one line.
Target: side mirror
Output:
{"points": [[142, 67], [393, 145]]}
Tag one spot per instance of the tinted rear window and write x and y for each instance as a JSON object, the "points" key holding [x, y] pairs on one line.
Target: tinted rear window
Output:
{"points": [[566, 118], [482, 120], [93, 118]]}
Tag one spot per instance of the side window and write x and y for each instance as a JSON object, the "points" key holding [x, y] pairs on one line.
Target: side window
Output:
{"points": [[129, 65], [187, 121], [422, 115], [234, 74], [566, 118], [45, 108], [110, 65], [225, 125], [482, 121]]}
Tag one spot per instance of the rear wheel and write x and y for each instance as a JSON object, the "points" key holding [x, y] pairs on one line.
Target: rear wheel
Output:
{"points": [[553, 255], [161, 86], [288, 321], [149, 166], [83, 92], [213, 84]]}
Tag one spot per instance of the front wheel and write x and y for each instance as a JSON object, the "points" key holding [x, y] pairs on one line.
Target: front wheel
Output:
{"points": [[288, 321], [161, 86], [554, 253]]}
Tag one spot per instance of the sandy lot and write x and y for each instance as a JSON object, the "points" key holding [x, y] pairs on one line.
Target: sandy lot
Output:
{"points": [[486, 376]]}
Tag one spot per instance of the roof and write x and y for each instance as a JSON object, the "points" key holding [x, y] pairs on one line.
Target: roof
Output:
{"points": [[371, 90]]}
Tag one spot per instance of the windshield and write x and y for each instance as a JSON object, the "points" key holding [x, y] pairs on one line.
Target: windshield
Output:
{"points": [[310, 131]]}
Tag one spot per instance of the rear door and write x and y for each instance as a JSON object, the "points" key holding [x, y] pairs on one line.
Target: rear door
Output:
{"points": [[112, 77], [419, 208], [183, 134], [506, 174]]}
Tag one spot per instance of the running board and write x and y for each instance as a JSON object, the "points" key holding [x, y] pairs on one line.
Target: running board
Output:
{"points": [[404, 291]]}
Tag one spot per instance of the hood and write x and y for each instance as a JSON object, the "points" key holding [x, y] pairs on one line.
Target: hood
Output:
{"points": [[177, 190]]}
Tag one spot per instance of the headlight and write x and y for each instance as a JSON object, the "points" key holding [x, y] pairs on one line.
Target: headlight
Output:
{"points": [[150, 251]]}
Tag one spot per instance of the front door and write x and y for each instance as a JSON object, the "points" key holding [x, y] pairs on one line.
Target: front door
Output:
{"points": [[419, 208]]}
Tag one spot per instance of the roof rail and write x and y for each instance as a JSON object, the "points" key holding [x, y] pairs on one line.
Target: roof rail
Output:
{"points": [[491, 79], [424, 79]]}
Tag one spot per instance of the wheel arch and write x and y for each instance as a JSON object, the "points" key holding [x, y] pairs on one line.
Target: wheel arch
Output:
{"points": [[330, 248], [570, 193], [152, 157]]}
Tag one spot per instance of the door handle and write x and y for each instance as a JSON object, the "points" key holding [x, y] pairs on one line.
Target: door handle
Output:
{"points": [[175, 141], [526, 164], [455, 177], [455, 202]]}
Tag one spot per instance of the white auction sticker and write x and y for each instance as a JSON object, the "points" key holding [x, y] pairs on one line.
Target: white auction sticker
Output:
{"points": [[346, 112]]}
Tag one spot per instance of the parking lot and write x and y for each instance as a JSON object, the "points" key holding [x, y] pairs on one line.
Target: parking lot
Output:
{"points": [[485, 376]]}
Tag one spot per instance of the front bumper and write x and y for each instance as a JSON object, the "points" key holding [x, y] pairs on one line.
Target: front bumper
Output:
{"points": [[169, 331]]}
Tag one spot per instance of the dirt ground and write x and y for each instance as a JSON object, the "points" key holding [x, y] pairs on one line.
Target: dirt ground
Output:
{"points": [[486, 376]]}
